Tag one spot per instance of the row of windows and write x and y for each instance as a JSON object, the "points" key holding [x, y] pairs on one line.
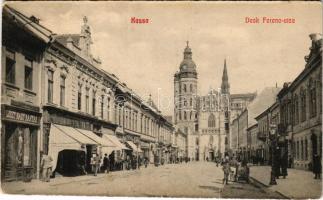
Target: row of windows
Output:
{"points": [[301, 149], [186, 88], [187, 115], [10, 70], [296, 111]]}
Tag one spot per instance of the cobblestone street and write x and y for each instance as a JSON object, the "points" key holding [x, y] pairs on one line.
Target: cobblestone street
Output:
{"points": [[195, 179]]}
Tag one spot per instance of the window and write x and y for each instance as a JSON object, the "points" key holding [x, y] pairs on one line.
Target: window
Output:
{"points": [[62, 93], [191, 88], [28, 74], [303, 105], [191, 101], [126, 117], [302, 150], [185, 117], [87, 103], [191, 115], [108, 110], [312, 98], [184, 87], [297, 150], [102, 104], [93, 104], [296, 112], [10, 67], [50, 86], [211, 121], [79, 98], [305, 149]]}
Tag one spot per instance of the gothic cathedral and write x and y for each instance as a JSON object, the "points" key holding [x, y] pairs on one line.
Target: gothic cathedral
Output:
{"points": [[205, 120]]}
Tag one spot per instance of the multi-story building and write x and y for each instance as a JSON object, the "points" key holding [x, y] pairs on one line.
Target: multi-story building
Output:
{"points": [[301, 109], [246, 119], [79, 110], [23, 45], [205, 119]]}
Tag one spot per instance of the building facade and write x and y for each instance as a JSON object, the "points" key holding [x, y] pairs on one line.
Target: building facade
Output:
{"points": [[301, 109], [23, 46], [79, 111], [205, 119]]}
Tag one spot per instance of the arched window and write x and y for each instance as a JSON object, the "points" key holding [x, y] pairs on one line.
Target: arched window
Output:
{"points": [[303, 104], [185, 117], [312, 103], [296, 111], [211, 120]]}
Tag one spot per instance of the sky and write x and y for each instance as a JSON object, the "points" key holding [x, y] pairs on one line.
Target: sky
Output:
{"points": [[146, 56]]}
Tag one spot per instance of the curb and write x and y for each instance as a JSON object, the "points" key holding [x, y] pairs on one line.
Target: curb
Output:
{"points": [[256, 182]]}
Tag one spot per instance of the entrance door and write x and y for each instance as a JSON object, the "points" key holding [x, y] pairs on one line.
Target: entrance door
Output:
{"points": [[11, 153]]}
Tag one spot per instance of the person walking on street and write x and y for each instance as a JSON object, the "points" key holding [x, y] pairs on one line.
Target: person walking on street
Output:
{"points": [[226, 172], [95, 163], [317, 166], [46, 165], [106, 164]]}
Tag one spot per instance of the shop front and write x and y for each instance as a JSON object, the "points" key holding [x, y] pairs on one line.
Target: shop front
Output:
{"points": [[19, 133]]}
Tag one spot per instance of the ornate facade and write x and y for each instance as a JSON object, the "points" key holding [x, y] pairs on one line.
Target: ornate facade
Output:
{"points": [[205, 120]]}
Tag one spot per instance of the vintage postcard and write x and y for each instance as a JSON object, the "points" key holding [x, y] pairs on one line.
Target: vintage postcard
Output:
{"points": [[162, 99]]}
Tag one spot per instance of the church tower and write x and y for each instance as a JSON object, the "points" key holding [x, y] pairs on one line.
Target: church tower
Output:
{"points": [[225, 104], [185, 96]]}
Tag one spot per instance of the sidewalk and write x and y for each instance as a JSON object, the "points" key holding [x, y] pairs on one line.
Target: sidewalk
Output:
{"points": [[298, 184], [20, 186]]}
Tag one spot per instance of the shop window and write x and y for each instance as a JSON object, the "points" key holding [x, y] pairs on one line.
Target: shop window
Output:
{"points": [[62, 90], [28, 74], [50, 86], [10, 67]]}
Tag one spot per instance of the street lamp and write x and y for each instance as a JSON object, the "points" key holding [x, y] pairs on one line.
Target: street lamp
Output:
{"points": [[273, 139]]}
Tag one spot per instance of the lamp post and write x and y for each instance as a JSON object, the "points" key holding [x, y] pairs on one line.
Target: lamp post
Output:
{"points": [[273, 138]]}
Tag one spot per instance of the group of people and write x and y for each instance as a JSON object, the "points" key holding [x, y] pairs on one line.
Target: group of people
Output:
{"points": [[234, 170]]}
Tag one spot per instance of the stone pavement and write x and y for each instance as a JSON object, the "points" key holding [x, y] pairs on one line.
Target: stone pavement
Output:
{"points": [[299, 184], [194, 179]]}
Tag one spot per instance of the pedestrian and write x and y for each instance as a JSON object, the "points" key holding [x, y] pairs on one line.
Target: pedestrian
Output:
{"points": [[82, 165], [46, 165], [106, 164], [226, 172], [317, 166], [146, 162], [95, 161]]}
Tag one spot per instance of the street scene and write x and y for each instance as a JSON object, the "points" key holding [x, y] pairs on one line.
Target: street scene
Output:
{"points": [[127, 99]]}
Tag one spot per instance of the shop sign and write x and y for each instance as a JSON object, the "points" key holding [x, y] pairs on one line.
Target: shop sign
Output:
{"points": [[20, 116]]}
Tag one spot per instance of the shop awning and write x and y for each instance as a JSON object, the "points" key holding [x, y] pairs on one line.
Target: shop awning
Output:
{"points": [[134, 147], [72, 132], [63, 138], [116, 141], [102, 141]]}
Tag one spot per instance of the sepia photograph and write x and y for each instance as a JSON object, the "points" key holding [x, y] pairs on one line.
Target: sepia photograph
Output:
{"points": [[182, 99]]}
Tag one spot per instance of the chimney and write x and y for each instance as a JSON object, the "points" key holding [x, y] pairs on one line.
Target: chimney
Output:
{"points": [[69, 43]]}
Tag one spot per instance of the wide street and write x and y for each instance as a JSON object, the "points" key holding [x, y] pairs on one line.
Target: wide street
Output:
{"points": [[195, 179]]}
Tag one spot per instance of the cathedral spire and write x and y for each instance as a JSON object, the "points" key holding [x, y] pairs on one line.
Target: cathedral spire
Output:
{"points": [[225, 86]]}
